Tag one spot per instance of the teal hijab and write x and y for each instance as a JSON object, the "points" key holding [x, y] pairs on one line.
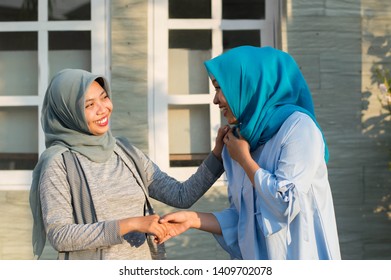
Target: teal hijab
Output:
{"points": [[65, 127], [263, 87]]}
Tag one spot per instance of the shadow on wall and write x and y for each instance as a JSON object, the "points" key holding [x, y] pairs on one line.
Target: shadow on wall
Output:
{"points": [[378, 125], [381, 124]]}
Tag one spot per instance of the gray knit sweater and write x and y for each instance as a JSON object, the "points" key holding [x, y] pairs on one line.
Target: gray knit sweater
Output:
{"points": [[116, 195]]}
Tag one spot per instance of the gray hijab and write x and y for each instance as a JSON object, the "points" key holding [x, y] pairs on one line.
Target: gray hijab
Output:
{"points": [[63, 119], [65, 127]]}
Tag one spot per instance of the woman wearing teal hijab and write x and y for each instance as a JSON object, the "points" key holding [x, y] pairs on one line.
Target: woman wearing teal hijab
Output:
{"points": [[90, 191], [275, 159]]}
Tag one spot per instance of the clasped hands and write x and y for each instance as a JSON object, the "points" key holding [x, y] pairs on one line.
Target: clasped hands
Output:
{"points": [[168, 226]]}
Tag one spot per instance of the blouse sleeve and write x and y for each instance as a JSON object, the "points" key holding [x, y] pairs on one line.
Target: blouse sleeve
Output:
{"points": [[57, 213], [228, 240], [278, 194]]}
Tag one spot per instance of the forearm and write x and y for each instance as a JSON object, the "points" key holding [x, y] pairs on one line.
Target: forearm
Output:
{"points": [[126, 225], [251, 167], [205, 222]]}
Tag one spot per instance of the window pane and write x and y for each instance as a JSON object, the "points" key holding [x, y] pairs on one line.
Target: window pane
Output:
{"points": [[19, 137], [18, 63], [69, 10], [235, 38], [190, 39], [189, 134], [69, 49], [18, 10], [188, 51], [189, 9], [243, 9]]}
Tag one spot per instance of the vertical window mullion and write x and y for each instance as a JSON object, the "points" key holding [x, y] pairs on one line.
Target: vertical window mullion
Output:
{"points": [[43, 65], [42, 10], [160, 74], [97, 28], [217, 48]]}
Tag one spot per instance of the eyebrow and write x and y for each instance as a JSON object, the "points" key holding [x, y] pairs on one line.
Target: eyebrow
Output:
{"points": [[92, 99]]}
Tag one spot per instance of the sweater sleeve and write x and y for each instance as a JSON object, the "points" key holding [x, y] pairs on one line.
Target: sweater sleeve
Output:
{"points": [[170, 191], [62, 232]]}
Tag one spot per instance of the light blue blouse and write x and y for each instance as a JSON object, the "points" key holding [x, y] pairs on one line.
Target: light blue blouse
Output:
{"points": [[289, 214]]}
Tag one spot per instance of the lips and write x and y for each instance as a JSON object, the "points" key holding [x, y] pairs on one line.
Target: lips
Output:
{"points": [[102, 122], [223, 110]]}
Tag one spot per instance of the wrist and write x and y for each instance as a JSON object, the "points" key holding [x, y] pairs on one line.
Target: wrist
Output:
{"points": [[193, 220], [217, 153]]}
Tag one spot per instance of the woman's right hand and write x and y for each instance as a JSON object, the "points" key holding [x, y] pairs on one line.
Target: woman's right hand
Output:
{"points": [[146, 224], [219, 141]]}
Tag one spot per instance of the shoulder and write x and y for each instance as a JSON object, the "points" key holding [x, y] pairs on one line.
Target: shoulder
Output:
{"points": [[299, 125], [126, 145], [51, 159]]}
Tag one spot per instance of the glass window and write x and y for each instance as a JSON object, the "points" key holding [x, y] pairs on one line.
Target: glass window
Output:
{"points": [[189, 134], [69, 49], [188, 49], [235, 38], [19, 137], [243, 9], [19, 54], [189, 9], [18, 10], [70, 10], [195, 31]]}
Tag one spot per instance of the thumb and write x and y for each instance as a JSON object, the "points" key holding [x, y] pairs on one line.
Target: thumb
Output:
{"points": [[165, 219], [238, 133]]}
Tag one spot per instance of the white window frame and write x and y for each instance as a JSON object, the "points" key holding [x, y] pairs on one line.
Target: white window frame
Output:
{"points": [[100, 55], [159, 100]]}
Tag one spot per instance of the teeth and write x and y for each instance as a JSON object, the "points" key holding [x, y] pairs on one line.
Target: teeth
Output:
{"points": [[102, 121]]}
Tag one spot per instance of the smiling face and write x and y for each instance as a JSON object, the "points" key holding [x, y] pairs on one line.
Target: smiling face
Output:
{"points": [[220, 100], [98, 108]]}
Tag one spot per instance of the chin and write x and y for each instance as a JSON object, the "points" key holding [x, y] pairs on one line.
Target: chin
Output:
{"points": [[99, 132]]}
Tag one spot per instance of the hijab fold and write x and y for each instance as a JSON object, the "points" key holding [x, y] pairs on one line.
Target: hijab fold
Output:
{"points": [[65, 127], [263, 87]]}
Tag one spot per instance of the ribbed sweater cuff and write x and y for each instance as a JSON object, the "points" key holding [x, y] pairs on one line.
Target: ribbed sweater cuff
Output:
{"points": [[112, 232], [214, 165]]}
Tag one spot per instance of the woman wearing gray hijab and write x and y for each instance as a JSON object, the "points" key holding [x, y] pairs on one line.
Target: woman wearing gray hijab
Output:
{"points": [[90, 191]]}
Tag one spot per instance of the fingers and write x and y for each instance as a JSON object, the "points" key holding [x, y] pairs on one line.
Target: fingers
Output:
{"points": [[168, 218], [223, 130], [170, 225], [229, 136], [238, 133]]}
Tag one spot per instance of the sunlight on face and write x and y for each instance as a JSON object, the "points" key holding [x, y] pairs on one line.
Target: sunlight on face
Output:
{"points": [[220, 100], [98, 108]]}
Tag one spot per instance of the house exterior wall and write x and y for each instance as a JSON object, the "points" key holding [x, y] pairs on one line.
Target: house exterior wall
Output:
{"points": [[129, 70], [336, 43]]}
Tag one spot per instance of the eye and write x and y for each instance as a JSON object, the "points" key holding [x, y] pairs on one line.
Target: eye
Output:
{"points": [[89, 105], [105, 96]]}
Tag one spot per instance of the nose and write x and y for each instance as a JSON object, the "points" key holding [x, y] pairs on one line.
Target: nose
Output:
{"points": [[216, 99], [101, 108]]}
